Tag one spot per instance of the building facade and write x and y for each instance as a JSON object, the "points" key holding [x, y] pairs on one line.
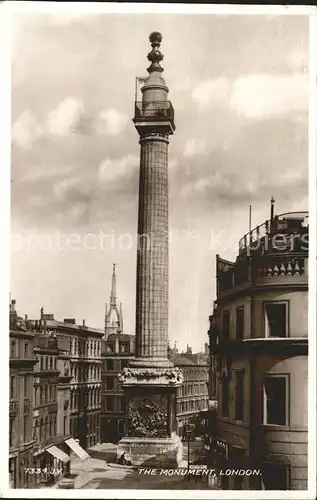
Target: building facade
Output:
{"points": [[259, 347], [117, 351], [80, 362], [192, 395], [22, 361]]}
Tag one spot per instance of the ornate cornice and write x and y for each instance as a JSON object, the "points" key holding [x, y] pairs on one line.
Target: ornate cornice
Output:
{"points": [[151, 376]]}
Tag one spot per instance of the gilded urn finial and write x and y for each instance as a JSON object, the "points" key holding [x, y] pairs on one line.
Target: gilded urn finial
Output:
{"points": [[155, 56]]}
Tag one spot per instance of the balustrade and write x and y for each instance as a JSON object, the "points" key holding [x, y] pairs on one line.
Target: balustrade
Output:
{"points": [[158, 110], [284, 266]]}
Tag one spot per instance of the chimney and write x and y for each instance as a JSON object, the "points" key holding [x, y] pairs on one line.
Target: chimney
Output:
{"points": [[70, 321], [84, 324], [272, 208]]}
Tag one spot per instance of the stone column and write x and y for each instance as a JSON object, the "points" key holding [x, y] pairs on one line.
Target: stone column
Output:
{"points": [[152, 259], [151, 380]]}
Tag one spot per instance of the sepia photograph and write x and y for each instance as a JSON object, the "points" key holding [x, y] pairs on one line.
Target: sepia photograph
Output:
{"points": [[158, 314]]}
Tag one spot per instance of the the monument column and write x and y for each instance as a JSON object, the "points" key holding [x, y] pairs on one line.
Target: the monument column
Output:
{"points": [[151, 380]]}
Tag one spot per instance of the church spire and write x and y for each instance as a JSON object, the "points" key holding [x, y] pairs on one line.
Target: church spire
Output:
{"points": [[113, 294], [113, 315]]}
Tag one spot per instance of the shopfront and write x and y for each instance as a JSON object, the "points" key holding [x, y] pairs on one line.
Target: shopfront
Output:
{"points": [[50, 464], [230, 462]]}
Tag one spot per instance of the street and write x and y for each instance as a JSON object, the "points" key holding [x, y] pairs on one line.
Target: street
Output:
{"points": [[100, 471]]}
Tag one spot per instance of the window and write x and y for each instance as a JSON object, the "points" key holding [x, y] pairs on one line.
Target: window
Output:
{"points": [[26, 386], [11, 432], [36, 396], [239, 323], [109, 364], [238, 483], [276, 319], [42, 363], [225, 397], [12, 387], [41, 429], [46, 363], [110, 384], [124, 363], [13, 349], [239, 406], [65, 425], [225, 482], [275, 400], [275, 477], [26, 350], [121, 427], [25, 428], [109, 402], [226, 325], [51, 363]]}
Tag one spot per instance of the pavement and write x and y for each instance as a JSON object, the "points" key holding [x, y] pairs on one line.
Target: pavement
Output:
{"points": [[99, 473]]}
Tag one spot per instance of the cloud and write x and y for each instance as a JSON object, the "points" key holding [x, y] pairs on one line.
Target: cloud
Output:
{"points": [[215, 90], [26, 130], [194, 147], [61, 189], [110, 122], [256, 95], [64, 120], [39, 173], [261, 95], [172, 163], [111, 170]]}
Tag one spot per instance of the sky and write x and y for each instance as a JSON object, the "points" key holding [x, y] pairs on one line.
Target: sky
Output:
{"points": [[239, 87]]}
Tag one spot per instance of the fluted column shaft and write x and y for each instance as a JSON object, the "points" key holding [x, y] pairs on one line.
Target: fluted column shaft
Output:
{"points": [[152, 255]]}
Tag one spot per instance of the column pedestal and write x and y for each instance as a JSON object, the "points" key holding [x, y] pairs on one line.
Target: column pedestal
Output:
{"points": [[150, 419]]}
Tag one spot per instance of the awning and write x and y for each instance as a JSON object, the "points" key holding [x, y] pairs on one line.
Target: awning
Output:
{"points": [[80, 452], [59, 454]]}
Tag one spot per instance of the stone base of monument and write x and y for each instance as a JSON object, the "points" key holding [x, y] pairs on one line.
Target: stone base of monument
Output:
{"points": [[152, 452]]}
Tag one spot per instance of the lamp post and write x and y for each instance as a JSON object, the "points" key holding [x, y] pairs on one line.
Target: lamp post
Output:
{"points": [[188, 429]]}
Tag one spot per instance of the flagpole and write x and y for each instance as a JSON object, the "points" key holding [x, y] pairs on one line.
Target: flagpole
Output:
{"points": [[250, 226]]}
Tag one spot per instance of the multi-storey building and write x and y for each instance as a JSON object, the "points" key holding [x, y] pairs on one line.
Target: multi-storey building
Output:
{"points": [[50, 459], [118, 351], [192, 395], [82, 363], [259, 347], [22, 361]]}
